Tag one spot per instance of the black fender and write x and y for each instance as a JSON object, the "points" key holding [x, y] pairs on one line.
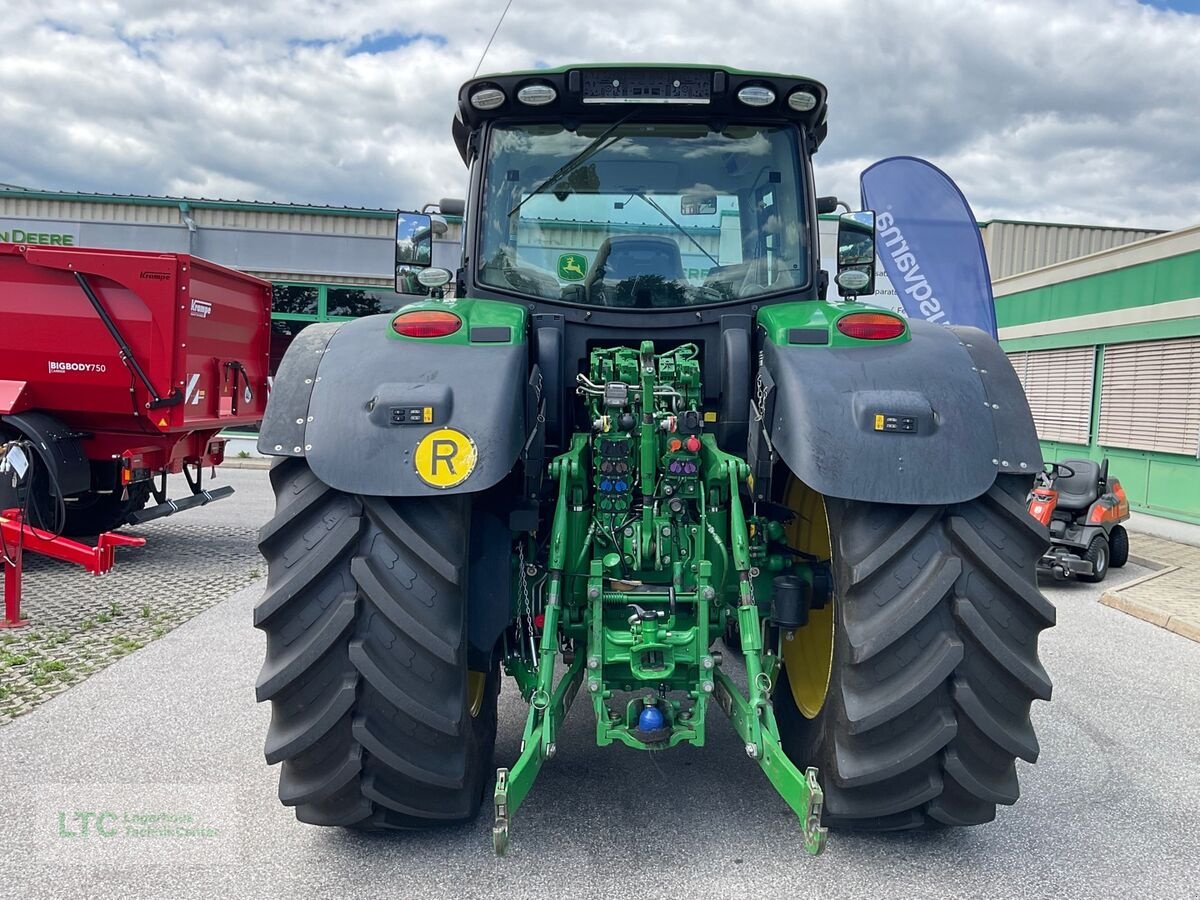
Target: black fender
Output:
{"points": [[946, 429], [59, 448], [345, 421]]}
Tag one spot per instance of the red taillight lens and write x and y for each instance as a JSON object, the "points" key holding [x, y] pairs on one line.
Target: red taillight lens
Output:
{"points": [[871, 326], [426, 323]]}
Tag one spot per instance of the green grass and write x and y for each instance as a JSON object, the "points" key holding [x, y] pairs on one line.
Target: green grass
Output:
{"points": [[13, 659], [125, 644]]}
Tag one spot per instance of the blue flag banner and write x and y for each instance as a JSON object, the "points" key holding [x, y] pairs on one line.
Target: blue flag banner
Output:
{"points": [[929, 243]]}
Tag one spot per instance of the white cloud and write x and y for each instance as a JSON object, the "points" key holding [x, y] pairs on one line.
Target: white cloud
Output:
{"points": [[1073, 111]]}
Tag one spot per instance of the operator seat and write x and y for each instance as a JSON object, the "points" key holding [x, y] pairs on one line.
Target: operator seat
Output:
{"points": [[646, 259], [1080, 490]]}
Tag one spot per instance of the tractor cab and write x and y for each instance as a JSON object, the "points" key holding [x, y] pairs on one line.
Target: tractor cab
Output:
{"points": [[640, 189], [613, 200]]}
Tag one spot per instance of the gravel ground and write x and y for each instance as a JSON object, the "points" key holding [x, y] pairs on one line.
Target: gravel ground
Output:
{"points": [[80, 623], [173, 732]]}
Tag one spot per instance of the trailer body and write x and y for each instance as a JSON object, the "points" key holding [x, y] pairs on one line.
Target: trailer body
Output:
{"points": [[129, 362]]}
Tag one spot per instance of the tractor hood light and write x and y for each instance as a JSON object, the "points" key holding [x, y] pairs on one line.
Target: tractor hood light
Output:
{"points": [[537, 94], [487, 98], [756, 95], [801, 101]]}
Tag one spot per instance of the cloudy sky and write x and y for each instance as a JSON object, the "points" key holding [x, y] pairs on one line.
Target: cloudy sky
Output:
{"points": [[1081, 111]]}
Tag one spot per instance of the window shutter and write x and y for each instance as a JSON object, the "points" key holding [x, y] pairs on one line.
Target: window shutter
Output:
{"points": [[1058, 386], [1150, 396]]}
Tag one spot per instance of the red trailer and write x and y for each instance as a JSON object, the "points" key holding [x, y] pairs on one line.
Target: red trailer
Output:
{"points": [[121, 367]]}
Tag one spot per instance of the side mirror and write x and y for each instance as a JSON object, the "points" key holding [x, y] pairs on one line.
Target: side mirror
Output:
{"points": [[414, 239], [856, 254]]}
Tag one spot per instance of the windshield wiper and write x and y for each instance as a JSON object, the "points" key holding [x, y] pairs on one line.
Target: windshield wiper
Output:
{"points": [[666, 215], [577, 160]]}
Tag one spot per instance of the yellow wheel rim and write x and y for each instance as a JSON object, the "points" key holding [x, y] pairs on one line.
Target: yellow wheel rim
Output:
{"points": [[476, 684], [808, 656]]}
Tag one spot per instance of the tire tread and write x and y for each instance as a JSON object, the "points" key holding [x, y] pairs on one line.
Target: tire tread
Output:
{"points": [[365, 667]]}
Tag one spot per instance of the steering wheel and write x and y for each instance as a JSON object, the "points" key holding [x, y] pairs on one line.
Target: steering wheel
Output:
{"points": [[1058, 470]]}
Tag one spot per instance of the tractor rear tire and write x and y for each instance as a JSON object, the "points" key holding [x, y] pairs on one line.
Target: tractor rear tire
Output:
{"points": [[374, 717], [934, 663], [1118, 547]]}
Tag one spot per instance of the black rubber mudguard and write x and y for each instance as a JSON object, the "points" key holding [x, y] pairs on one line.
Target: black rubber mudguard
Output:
{"points": [[357, 431], [283, 427], [1016, 436], [58, 446], [912, 423]]}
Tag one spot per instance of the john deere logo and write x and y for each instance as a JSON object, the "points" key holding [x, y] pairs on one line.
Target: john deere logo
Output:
{"points": [[572, 267]]}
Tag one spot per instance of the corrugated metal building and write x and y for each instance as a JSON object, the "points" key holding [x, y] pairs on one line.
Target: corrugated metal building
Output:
{"points": [[327, 263], [1015, 247], [1108, 348]]}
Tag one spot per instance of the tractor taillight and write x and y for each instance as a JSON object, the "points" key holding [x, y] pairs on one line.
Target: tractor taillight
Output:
{"points": [[871, 326], [426, 323]]}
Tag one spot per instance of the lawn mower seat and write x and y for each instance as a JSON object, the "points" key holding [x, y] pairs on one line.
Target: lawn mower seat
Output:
{"points": [[1080, 490]]}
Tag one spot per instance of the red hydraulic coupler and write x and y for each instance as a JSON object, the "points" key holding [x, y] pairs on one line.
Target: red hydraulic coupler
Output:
{"points": [[19, 536]]}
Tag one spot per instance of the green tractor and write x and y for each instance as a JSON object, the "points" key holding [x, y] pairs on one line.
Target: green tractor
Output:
{"points": [[639, 428]]}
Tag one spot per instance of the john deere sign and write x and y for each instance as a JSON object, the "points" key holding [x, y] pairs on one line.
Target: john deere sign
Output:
{"points": [[23, 236]]}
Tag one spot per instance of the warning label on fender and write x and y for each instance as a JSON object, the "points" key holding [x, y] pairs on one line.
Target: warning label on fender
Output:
{"points": [[445, 458]]}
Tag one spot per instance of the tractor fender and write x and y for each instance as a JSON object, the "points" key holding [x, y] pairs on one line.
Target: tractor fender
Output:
{"points": [[912, 422], [355, 421], [282, 430], [1016, 436]]}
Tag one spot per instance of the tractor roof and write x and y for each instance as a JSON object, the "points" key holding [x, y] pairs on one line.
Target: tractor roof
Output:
{"points": [[600, 91]]}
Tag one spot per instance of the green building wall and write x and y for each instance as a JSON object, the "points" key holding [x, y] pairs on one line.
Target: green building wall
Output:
{"points": [[1163, 484]]}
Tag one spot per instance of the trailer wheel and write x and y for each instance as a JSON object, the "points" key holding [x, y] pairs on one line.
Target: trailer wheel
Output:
{"points": [[931, 662], [33, 495], [93, 512], [1118, 547], [374, 715]]}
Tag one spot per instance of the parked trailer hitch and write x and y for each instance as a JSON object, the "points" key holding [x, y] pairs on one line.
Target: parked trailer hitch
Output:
{"points": [[24, 537]]}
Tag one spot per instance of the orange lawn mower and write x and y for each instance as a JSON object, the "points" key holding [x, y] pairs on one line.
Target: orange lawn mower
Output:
{"points": [[1083, 508]]}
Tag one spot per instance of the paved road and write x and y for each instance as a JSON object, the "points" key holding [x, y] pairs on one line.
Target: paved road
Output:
{"points": [[173, 729], [79, 624]]}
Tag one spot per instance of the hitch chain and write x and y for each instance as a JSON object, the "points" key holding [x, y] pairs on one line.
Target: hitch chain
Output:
{"points": [[527, 606]]}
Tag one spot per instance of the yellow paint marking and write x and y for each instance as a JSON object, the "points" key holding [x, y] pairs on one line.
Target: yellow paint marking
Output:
{"points": [[445, 457]]}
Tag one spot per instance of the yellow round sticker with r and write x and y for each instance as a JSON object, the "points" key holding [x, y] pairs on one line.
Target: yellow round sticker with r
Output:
{"points": [[445, 457]]}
